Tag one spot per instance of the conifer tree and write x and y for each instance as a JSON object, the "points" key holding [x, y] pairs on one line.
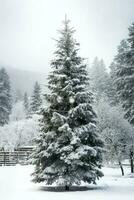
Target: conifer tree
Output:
{"points": [[128, 96], [35, 99], [123, 77], [26, 104], [99, 78], [5, 97], [112, 91], [69, 149]]}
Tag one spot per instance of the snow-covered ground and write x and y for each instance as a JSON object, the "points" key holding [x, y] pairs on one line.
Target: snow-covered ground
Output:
{"points": [[15, 184]]}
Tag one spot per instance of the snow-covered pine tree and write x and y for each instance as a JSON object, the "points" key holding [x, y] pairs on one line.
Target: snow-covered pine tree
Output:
{"points": [[69, 149], [129, 105], [129, 96], [118, 64], [111, 86], [5, 97], [35, 99], [123, 77], [99, 78], [26, 104]]}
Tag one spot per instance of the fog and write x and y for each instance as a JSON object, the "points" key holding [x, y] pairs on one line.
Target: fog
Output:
{"points": [[28, 26]]}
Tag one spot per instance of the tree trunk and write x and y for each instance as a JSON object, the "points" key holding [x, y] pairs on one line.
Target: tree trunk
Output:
{"points": [[132, 165], [131, 161], [121, 167], [67, 188]]}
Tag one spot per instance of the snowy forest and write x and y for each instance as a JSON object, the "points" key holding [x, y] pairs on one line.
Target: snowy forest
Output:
{"points": [[79, 121], [110, 90]]}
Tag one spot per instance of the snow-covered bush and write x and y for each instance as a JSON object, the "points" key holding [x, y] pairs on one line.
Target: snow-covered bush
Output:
{"points": [[117, 133], [18, 133]]}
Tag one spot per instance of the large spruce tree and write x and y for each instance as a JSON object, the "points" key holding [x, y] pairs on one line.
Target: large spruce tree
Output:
{"points": [[123, 75], [129, 96], [123, 78], [117, 78], [5, 97], [69, 149]]}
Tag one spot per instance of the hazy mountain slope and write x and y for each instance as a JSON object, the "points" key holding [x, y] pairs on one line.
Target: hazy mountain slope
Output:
{"points": [[24, 80]]}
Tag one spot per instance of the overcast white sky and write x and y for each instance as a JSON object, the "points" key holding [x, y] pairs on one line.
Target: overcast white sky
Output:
{"points": [[28, 26]]}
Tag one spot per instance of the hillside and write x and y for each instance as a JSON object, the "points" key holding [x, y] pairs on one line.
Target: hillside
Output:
{"points": [[24, 80]]}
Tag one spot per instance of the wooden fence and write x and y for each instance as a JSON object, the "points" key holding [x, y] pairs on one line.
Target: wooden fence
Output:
{"points": [[18, 156]]}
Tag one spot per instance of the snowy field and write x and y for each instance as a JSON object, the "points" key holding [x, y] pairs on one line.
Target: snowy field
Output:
{"points": [[15, 184]]}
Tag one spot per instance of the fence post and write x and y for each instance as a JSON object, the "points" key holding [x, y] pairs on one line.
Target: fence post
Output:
{"points": [[17, 157], [4, 158]]}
